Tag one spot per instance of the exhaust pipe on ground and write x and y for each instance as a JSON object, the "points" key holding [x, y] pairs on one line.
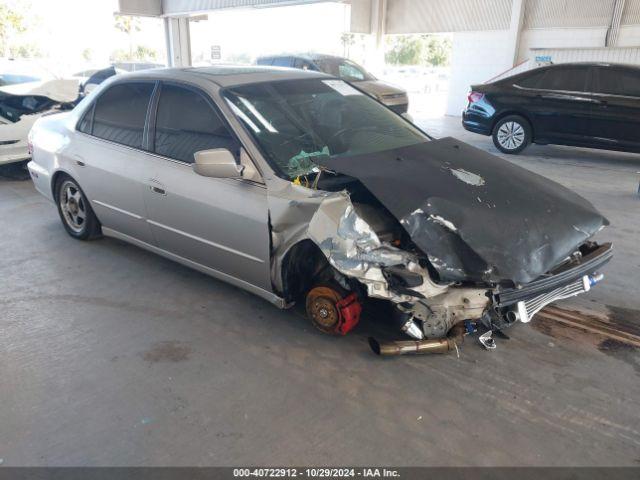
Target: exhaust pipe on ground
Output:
{"points": [[419, 347]]}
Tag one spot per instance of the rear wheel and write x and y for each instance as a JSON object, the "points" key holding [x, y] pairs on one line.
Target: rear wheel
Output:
{"points": [[512, 134], [75, 211]]}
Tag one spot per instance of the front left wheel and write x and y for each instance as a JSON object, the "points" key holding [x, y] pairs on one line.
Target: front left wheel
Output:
{"points": [[75, 211]]}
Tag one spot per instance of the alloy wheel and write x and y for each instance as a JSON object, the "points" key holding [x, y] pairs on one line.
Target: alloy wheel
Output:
{"points": [[73, 206], [511, 135]]}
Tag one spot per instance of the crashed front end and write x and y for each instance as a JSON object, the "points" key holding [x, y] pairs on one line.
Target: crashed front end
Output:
{"points": [[473, 238], [429, 309], [22, 104]]}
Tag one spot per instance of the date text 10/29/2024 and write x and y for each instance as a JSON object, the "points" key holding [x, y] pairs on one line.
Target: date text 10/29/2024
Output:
{"points": [[315, 473]]}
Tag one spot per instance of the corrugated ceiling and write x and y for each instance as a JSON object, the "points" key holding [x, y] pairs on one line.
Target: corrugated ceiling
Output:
{"points": [[418, 16]]}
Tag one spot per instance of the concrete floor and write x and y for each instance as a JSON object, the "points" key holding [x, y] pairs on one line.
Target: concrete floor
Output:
{"points": [[113, 356]]}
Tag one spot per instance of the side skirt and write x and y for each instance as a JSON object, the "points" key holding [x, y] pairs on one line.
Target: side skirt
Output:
{"points": [[269, 296]]}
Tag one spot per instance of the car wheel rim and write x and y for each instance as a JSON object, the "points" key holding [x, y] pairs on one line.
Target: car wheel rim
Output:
{"points": [[73, 206], [511, 135]]}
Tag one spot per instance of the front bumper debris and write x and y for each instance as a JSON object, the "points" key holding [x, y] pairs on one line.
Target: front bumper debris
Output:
{"points": [[526, 309], [561, 277]]}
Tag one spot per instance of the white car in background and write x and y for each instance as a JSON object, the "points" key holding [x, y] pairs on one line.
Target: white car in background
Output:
{"points": [[21, 104]]}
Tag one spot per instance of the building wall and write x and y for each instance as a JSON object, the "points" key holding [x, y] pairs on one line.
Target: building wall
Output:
{"points": [[476, 57]]}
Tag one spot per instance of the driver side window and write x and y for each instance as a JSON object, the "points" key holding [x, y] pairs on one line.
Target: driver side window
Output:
{"points": [[186, 123]]}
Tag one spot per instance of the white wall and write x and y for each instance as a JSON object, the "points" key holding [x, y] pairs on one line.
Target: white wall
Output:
{"points": [[476, 57]]}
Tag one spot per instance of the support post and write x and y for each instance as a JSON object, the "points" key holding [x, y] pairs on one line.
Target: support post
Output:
{"points": [[178, 42], [611, 39], [515, 29], [375, 59]]}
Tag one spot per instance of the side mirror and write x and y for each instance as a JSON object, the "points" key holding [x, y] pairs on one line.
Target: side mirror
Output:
{"points": [[217, 163]]}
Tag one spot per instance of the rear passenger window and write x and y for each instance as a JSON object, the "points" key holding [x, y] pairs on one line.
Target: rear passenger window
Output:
{"points": [[531, 81], [186, 123], [571, 79], [618, 81], [86, 123], [282, 62], [120, 113]]}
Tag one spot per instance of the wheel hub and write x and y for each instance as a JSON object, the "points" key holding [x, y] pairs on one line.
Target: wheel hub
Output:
{"points": [[511, 135]]}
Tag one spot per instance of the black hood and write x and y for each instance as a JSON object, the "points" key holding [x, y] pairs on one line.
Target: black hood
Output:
{"points": [[477, 217]]}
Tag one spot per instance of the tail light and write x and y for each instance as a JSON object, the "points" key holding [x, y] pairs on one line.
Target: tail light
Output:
{"points": [[474, 97]]}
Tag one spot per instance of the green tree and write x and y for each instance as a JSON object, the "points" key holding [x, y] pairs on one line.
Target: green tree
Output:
{"points": [[438, 51], [129, 25], [347, 40], [405, 50], [418, 50], [12, 22]]}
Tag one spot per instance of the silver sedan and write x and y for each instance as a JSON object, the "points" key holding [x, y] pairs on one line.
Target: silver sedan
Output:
{"points": [[297, 187]]}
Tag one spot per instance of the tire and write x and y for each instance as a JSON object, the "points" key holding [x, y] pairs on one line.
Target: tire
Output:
{"points": [[512, 134], [75, 211]]}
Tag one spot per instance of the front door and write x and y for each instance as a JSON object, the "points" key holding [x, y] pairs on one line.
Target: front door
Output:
{"points": [[616, 113], [219, 223]]}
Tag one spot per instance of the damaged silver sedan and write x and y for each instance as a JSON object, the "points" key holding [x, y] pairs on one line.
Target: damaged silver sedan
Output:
{"points": [[298, 187]]}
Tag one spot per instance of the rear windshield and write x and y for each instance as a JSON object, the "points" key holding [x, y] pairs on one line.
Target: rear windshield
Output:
{"points": [[297, 121]]}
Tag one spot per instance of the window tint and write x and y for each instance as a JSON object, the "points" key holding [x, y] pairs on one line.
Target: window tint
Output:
{"points": [[186, 124], [531, 81], [573, 79], [618, 81], [120, 113], [303, 64], [86, 123], [282, 62]]}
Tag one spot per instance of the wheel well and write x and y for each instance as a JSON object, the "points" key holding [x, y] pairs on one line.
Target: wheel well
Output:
{"points": [[513, 112], [54, 180], [303, 266]]}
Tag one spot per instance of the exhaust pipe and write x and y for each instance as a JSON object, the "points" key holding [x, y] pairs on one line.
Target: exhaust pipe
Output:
{"points": [[418, 347]]}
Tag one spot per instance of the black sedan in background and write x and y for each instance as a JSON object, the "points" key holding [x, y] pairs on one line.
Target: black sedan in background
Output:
{"points": [[580, 104]]}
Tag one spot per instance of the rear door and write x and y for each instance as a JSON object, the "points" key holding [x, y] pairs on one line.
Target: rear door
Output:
{"points": [[219, 223], [560, 103], [112, 168], [616, 113]]}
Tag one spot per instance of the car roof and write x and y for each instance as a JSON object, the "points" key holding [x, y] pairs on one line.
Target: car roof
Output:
{"points": [[306, 56], [591, 64], [226, 75]]}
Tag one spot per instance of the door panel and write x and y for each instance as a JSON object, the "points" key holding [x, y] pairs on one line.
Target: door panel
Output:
{"points": [[113, 169], [616, 113], [218, 223], [113, 177], [559, 102]]}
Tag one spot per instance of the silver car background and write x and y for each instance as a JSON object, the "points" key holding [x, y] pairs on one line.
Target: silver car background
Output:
{"points": [[296, 186]]}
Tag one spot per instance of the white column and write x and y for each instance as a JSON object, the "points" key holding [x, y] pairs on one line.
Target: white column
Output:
{"points": [[515, 29], [375, 55], [611, 38], [178, 41]]}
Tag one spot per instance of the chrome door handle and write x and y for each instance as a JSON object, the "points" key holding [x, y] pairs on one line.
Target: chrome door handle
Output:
{"points": [[158, 190]]}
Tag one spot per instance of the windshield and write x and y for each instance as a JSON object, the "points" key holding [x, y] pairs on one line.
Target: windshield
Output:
{"points": [[344, 69], [297, 121]]}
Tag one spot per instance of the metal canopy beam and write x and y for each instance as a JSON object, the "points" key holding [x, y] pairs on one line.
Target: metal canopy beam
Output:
{"points": [[175, 8]]}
